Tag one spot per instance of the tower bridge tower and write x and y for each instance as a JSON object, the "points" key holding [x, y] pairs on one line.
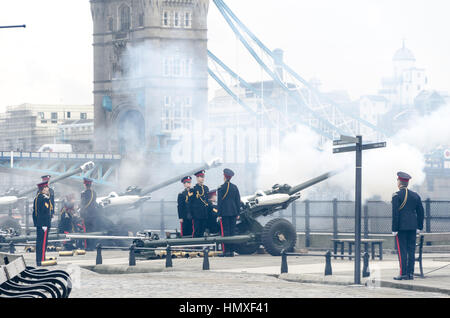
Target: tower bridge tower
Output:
{"points": [[150, 71]]}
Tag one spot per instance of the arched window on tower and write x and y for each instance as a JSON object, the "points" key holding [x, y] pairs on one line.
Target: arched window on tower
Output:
{"points": [[124, 13]]}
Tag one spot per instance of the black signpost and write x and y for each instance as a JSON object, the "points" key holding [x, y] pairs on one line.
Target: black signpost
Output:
{"points": [[358, 148]]}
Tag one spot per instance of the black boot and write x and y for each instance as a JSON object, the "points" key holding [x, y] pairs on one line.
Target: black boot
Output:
{"points": [[401, 277]]}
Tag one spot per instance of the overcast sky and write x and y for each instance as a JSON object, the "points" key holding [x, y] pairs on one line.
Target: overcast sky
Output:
{"points": [[347, 44]]}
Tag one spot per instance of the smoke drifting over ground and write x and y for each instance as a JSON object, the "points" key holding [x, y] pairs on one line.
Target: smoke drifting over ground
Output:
{"points": [[299, 158]]}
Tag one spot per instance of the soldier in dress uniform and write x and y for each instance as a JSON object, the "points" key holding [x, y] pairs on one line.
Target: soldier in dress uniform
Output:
{"points": [[229, 203], [184, 207], [407, 221], [88, 210], [200, 205], [41, 220]]}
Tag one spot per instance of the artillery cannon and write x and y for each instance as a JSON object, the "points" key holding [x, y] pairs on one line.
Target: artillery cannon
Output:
{"points": [[279, 233], [13, 197]]}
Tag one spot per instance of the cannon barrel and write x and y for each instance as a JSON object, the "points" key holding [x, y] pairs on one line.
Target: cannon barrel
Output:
{"points": [[208, 165], [28, 238], [312, 182], [171, 242], [83, 168], [12, 26]]}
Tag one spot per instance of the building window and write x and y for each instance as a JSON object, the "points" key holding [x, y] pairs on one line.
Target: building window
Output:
{"points": [[141, 20], [54, 117], [187, 19], [41, 115], [166, 19], [418, 87], [83, 115], [176, 21], [68, 114], [176, 67], [124, 18]]}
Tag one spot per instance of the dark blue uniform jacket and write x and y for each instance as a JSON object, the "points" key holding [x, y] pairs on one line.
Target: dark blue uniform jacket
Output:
{"points": [[411, 216], [228, 199]]}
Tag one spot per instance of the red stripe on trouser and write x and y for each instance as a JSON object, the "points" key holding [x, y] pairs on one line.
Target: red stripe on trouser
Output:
{"points": [[193, 228], [84, 229], [181, 228], [221, 230], [399, 255], [43, 245]]}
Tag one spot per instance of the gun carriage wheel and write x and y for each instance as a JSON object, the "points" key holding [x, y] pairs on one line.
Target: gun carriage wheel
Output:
{"points": [[278, 234]]}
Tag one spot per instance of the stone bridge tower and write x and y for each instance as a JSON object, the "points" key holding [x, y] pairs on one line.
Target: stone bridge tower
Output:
{"points": [[150, 71]]}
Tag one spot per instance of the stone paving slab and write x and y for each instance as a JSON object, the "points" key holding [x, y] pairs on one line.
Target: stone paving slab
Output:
{"points": [[302, 270]]}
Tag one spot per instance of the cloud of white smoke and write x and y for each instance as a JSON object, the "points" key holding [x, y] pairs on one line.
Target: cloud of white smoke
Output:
{"points": [[298, 158]]}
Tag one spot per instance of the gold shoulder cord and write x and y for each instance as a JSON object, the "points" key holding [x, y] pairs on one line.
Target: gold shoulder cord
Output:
{"points": [[404, 200], [199, 196], [89, 203], [226, 193]]}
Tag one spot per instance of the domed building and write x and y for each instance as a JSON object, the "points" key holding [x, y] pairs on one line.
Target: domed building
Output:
{"points": [[407, 81]]}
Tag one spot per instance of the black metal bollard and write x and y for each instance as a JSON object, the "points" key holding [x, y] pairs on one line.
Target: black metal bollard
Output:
{"points": [[366, 270], [328, 270], [168, 256], [12, 248], [98, 260], [206, 259], [132, 258], [284, 265]]}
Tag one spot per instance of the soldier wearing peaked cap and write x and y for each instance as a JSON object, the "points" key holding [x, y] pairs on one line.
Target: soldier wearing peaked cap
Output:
{"points": [[41, 220], [184, 207], [200, 205], [407, 221], [229, 203]]}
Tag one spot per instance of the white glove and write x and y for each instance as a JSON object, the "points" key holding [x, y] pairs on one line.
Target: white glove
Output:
{"points": [[394, 233], [418, 231], [44, 228]]}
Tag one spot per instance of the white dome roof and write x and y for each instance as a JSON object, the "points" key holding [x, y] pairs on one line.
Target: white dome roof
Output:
{"points": [[403, 54]]}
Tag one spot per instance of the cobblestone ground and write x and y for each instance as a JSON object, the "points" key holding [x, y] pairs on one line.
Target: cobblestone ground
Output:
{"points": [[214, 284]]}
